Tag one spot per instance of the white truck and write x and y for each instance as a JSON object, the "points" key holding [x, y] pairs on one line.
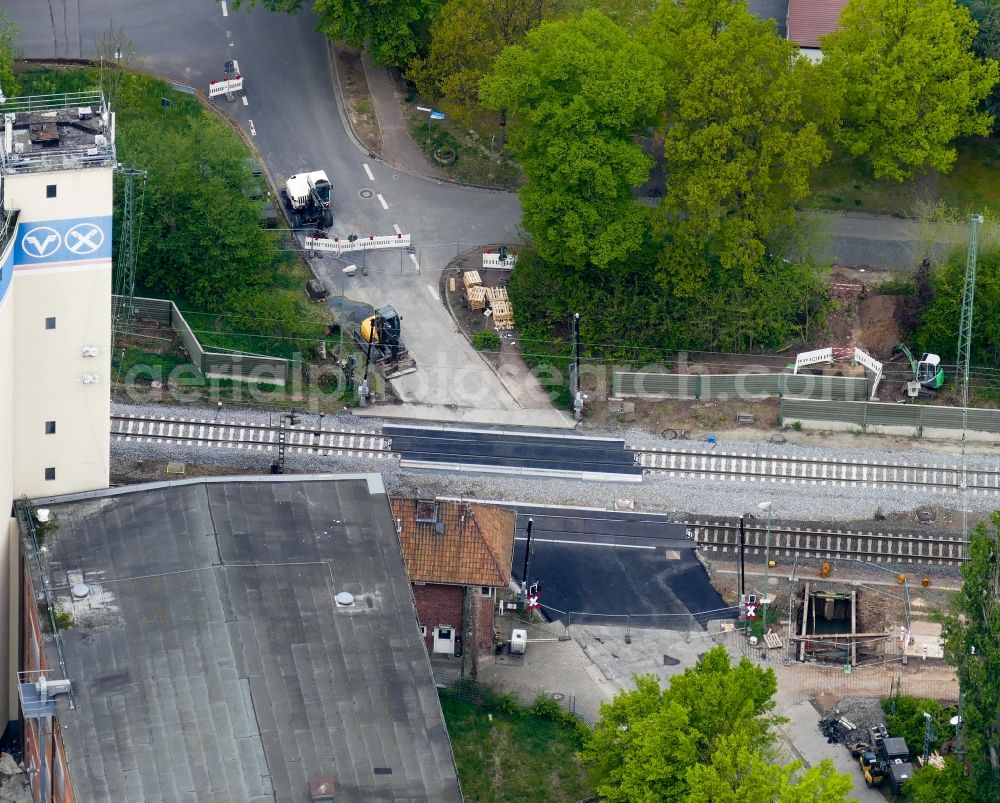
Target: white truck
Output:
{"points": [[306, 196]]}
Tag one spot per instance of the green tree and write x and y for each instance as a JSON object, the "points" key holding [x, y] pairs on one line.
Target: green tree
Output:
{"points": [[911, 83], [466, 38], [931, 785], [741, 772], [742, 135], [393, 30], [986, 45], [972, 644], [8, 49], [706, 737], [578, 91], [904, 717], [937, 331]]}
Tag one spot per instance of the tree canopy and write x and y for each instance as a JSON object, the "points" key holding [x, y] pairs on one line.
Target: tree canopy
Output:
{"points": [[972, 644], [577, 90], [8, 45], [706, 737], [937, 331], [466, 37], [911, 83], [742, 135]]}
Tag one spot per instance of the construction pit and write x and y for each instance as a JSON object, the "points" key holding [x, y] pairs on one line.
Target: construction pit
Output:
{"points": [[852, 626]]}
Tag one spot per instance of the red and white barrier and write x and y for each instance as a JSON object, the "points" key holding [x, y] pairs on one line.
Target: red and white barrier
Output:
{"points": [[341, 245], [225, 87]]}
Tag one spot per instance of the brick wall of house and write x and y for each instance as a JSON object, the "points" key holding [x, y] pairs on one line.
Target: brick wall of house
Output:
{"points": [[32, 658], [438, 605]]}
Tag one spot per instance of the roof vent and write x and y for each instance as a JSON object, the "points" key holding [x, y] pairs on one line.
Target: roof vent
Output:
{"points": [[80, 591], [344, 599]]}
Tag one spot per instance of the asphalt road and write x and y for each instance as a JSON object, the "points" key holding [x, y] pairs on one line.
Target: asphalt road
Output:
{"points": [[293, 118], [608, 563]]}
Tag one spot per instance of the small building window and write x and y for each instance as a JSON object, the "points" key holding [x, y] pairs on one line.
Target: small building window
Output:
{"points": [[50, 190], [50, 427], [486, 591], [50, 473], [50, 323], [423, 631]]}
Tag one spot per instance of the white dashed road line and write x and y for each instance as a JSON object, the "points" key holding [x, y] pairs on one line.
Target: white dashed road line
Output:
{"points": [[253, 131], [245, 103], [368, 170], [433, 292], [225, 11], [395, 228], [413, 259], [381, 200]]}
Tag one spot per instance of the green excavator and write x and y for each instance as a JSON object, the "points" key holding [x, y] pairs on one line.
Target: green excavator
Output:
{"points": [[928, 375]]}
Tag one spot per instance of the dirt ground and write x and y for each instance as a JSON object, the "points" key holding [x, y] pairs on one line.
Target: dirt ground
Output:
{"points": [[356, 96], [472, 321]]}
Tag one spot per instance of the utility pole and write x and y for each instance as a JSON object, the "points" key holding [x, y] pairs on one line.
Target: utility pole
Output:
{"points": [[743, 546], [965, 350], [928, 736], [527, 556], [765, 603], [577, 394]]}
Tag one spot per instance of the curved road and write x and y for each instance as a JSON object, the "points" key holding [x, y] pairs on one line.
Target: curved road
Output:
{"points": [[293, 116]]}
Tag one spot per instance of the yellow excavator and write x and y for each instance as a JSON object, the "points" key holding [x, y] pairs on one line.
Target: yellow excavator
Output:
{"points": [[379, 336], [872, 768]]}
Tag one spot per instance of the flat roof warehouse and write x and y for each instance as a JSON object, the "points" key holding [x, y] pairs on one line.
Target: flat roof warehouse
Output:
{"points": [[209, 658]]}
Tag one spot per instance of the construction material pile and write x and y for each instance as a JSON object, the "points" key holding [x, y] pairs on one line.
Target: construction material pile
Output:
{"points": [[493, 300]]}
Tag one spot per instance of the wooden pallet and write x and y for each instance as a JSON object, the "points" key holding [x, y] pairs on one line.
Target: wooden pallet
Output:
{"points": [[497, 295], [476, 296], [471, 278], [503, 315]]}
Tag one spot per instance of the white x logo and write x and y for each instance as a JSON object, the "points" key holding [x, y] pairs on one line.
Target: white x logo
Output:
{"points": [[84, 238]]}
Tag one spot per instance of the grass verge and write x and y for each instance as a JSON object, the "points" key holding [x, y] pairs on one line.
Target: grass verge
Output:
{"points": [[846, 184], [508, 753]]}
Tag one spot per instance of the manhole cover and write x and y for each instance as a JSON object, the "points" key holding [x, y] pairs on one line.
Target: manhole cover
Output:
{"points": [[777, 439], [926, 514], [366, 193]]}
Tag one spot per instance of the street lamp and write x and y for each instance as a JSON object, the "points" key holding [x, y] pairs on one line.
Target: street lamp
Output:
{"points": [[766, 507]]}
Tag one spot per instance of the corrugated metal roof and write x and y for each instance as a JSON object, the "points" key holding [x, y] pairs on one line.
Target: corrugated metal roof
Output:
{"points": [[808, 20], [218, 666]]}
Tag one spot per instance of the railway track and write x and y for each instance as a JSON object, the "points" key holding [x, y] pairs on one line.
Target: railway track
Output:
{"points": [[722, 536], [259, 437], [811, 471]]}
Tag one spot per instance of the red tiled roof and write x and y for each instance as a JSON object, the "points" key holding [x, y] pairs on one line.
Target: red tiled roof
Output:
{"points": [[474, 548], [808, 20]]}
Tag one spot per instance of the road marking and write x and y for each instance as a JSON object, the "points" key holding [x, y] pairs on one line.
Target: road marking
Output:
{"points": [[413, 259], [381, 200], [225, 11], [253, 131], [433, 292], [368, 170], [586, 543], [245, 103], [395, 228]]}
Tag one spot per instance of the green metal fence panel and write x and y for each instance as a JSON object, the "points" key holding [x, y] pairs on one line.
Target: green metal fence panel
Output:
{"points": [[152, 309], [811, 410], [741, 386], [246, 367], [894, 415], [194, 349], [979, 420]]}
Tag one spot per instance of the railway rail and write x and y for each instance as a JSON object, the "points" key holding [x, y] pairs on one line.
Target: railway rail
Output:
{"points": [[259, 437], [815, 471], [722, 536]]}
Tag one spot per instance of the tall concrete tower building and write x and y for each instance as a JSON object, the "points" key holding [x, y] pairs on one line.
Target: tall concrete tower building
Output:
{"points": [[57, 160]]}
